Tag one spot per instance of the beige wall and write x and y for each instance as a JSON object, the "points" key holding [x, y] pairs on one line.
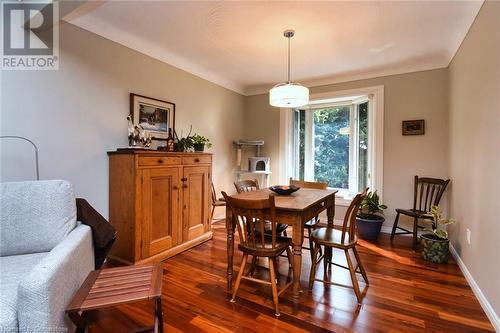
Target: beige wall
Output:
{"points": [[78, 113], [474, 163], [420, 95]]}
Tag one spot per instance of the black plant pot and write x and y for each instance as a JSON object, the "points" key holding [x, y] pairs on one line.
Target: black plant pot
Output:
{"points": [[435, 249], [369, 228], [199, 147]]}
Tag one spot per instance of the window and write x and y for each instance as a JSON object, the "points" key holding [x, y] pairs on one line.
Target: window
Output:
{"points": [[331, 144], [337, 138]]}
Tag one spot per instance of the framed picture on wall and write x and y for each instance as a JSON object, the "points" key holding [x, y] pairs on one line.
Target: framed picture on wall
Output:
{"points": [[414, 127], [155, 116]]}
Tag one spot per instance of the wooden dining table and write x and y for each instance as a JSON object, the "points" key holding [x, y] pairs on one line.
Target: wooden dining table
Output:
{"points": [[295, 210]]}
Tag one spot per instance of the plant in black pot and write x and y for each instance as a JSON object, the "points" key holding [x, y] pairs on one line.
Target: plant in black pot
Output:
{"points": [[436, 244], [369, 219], [200, 142]]}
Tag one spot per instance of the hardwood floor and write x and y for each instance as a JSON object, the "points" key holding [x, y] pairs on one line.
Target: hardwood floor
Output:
{"points": [[406, 294]]}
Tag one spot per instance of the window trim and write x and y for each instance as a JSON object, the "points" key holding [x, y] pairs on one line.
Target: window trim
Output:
{"points": [[376, 133]]}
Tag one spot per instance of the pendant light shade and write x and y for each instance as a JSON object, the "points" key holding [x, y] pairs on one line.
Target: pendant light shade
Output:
{"points": [[289, 94]]}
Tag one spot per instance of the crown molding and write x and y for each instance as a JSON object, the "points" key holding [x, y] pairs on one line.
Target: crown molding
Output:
{"points": [[334, 79]]}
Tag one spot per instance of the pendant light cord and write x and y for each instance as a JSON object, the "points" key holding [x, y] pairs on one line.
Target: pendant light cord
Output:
{"points": [[289, 60]]}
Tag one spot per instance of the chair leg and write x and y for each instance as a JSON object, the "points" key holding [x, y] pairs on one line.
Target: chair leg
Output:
{"points": [[361, 268], [415, 233], [394, 226], [327, 259], [238, 279], [276, 268], [312, 274], [354, 279], [289, 254], [251, 270], [311, 244], [274, 287], [212, 215], [159, 315]]}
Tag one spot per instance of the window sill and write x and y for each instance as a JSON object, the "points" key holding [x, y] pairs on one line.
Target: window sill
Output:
{"points": [[343, 198]]}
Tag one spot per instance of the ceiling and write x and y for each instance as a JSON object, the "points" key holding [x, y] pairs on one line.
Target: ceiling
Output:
{"points": [[240, 45]]}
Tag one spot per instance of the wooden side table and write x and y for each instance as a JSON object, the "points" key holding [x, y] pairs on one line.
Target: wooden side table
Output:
{"points": [[115, 286]]}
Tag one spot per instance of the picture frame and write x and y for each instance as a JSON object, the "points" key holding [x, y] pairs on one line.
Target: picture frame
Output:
{"points": [[414, 127], [155, 116]]}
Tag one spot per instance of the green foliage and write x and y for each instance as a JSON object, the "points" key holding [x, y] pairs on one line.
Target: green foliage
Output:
{"points": [[438, 222], [371, 205], [331, 145], [186, 143], [201, 140], [331, 149], [363, 147]]}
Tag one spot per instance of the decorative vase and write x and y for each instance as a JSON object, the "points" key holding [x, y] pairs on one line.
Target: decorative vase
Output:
{"points": [[199, 147], [435, 249], [369, 229]]}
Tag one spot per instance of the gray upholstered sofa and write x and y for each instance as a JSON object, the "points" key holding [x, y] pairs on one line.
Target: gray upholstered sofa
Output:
{"points": [[45, 255]]}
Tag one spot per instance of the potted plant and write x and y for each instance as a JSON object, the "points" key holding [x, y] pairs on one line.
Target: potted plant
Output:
{"points": [[181, 143], [436, 244], [369, 221], [200, 142]]}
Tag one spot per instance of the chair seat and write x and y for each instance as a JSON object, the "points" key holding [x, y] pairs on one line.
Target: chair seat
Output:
{"points": [[311, 224], [267, 250], [332, 237], [219, 203], [414, 213]]}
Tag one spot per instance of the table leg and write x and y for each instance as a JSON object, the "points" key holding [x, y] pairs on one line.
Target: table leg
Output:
{"points": [[230, 248], [297, 240], [330, 211]]}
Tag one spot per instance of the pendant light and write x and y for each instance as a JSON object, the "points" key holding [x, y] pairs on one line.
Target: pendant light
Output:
{"points": [[289, 94]]}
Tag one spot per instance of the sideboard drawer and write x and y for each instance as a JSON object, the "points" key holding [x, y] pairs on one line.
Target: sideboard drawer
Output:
{"points": [[197, 159], [159, 160]]}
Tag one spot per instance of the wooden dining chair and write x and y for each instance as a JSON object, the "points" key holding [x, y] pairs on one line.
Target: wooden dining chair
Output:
{"points": [[345, 240], [216, 202], [246, 185], [312, 224], [253, 185], [427, 192], [250, 218]]}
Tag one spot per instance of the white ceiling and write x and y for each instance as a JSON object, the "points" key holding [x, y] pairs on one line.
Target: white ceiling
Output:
{"points": [[240, 45]]}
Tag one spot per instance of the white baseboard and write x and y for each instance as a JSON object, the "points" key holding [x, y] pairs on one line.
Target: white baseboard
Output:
{"points": [[488, 309]]}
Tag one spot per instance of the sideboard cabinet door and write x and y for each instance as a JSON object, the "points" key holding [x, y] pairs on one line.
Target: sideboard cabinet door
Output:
{"points": [[196, 196], [160, 210]]}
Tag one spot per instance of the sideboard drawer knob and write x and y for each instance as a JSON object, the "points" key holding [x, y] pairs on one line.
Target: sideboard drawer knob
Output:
{"points": [[160, 161], [196, 159]]}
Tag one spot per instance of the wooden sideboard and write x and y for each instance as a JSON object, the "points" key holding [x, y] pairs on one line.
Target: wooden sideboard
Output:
{"points": [[159, 203]]}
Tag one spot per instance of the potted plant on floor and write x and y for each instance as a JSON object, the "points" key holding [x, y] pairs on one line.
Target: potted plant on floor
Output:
{"points": [[369, 219], [436, 244], [200, 142]]}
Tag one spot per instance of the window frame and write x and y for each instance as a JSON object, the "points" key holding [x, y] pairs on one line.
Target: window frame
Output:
{"points": [[375, 130]]}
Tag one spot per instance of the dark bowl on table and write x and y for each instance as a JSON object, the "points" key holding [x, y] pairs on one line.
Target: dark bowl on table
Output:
{"points": [[284, 190]]}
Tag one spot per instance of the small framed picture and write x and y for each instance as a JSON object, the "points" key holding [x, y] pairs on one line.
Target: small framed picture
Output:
{"points": [[414, 127], [153, 115]]}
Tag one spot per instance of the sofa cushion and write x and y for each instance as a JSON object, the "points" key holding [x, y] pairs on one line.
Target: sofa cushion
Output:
{"points": [[14, 269], [35, 216]]}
